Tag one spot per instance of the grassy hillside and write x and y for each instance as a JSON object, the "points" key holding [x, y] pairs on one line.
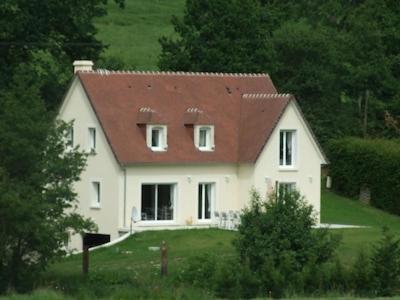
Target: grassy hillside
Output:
{"points": [[132, 33]]}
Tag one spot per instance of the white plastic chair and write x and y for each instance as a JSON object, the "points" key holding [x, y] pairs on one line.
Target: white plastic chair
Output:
{"points": [[231, 219], [217, 219], [224, 217], [134, 217], [236, 219]]}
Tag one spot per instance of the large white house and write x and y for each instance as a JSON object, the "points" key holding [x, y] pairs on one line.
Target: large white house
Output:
{"points": [[175, 147]]}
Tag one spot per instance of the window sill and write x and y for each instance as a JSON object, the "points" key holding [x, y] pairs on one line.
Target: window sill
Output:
{"points": [[288, 169], [158, 149], [95, 207], [205, 149]]}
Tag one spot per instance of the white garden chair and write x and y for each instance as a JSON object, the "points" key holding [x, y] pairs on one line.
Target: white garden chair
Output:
{"points": [[224, 220], [217, 219], [236, 219], [134, 217]]}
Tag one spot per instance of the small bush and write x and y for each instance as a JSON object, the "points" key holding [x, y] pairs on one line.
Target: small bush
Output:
{"points": [[234, 279], [361, 275], [277, 241], [385, 265]]}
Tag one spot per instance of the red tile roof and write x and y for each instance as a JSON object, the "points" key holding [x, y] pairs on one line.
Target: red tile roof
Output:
{"points": [[244, 109]]}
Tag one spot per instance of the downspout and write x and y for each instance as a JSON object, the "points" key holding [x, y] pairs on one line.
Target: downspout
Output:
{"points": [[124, 222]]}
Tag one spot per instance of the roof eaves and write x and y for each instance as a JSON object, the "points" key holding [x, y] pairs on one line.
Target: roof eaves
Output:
{"points": [[312, 132]]}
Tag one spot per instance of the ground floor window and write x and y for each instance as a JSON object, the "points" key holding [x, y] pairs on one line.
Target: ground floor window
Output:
{"points": [[287, 187], [158, 202], [205, 199]]}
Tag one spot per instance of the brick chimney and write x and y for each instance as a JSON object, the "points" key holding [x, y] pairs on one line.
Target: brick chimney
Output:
{"points": [[82, 65]]}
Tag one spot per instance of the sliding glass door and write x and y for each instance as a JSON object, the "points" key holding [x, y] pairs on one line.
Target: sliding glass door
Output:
{"points": [[158, 202]]}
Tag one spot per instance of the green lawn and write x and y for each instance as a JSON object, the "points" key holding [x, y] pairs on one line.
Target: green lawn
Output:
{"points": [[130, 270], [132, 33], [340, 210]]}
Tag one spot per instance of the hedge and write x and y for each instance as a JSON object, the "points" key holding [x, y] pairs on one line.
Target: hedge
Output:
{"points": [[374, 163]]}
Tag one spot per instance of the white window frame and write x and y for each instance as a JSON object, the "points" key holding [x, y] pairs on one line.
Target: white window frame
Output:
{"points": [[294, 149], [162, 137], [95, 193], [210, 144], [174, 203], [212, 201], [92, 139]]}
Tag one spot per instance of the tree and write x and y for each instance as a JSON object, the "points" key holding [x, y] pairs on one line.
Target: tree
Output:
{"points": [[37, 201], [217, 36], [305, 63], [64, 29], [339, 58]]}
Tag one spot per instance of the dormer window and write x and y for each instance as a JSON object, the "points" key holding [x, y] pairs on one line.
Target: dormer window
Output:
{"points": [[204, 137], [157, 137]]}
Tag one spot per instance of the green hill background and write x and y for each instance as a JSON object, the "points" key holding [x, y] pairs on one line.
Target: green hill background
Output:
{"points": [[132, 33]]}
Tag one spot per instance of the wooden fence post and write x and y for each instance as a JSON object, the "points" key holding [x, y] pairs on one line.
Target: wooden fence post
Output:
{"points": [[164, 259], [85, 260]]}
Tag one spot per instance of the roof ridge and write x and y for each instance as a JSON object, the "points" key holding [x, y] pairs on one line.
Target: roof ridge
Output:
{"points": [[173, 73], [264, 96]]}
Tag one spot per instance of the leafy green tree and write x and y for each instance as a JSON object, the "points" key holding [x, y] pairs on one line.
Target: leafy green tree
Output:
{"points": [[37, 201], [217, 36], [305, 63], [339, 58], [63, 29]]}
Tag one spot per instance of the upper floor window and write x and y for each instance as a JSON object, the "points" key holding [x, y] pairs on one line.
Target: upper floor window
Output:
{"points": [[92, 139], [95, 194], [204, 138], [157, 137], [287, 148]]}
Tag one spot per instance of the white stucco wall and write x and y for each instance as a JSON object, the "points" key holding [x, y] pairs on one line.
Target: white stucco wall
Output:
{"points": [[101, 167], [187, 178], [307, 170]]}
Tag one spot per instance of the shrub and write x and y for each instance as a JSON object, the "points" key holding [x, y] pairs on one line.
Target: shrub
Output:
{"points": [[375, 163], [234, 279], [361, 275], [281, 229], [277, 240], [385, 265]]}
